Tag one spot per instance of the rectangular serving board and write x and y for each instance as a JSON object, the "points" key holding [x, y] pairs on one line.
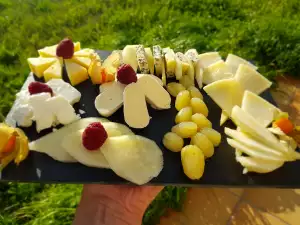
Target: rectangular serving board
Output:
{"points": [[220, 170]]}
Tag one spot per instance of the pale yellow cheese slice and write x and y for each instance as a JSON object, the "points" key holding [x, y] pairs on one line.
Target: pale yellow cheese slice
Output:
{"points": [[233, 61], [135, 108], [39, 65], [260, 109], [226, 93], [48, 51], [224, 117], [86, 52], [208, 58], [155, 94], [216, 71], [251, 80]]}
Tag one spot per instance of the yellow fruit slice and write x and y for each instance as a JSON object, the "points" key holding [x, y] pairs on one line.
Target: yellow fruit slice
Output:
{"points": [[76, 73], [54, 71], [39, 65], [76, 46], [5, 134], [83, 61], [48, 51], [23, 150], [86, 52]]}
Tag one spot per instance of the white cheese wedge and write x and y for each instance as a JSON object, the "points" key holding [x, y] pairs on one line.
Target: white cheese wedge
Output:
{"points": [[129, 56], [50, 144], [142, 59], [64, 89], [23, 114], [42, 113], [258, 165], [216, 71], [251, 80], [110, 99], [155, 94], [209, 58], [226, 93], [62, 109], [150, 59], [233, 61], [158, 60], [260, 109], [134, 158], [135, 108], [249, 125]]}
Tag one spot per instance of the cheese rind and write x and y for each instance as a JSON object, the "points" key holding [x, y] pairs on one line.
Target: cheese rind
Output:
{"points": [[251, 80], [110, 99], [135, 107], [155, 94]]}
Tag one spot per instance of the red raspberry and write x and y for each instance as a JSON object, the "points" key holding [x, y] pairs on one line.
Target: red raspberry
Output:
{"points": [[126, 74], [94, 136], [38, 87], [65, 49]]}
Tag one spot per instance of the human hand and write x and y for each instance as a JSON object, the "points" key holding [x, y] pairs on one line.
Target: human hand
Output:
{"points": [[114, 204]]}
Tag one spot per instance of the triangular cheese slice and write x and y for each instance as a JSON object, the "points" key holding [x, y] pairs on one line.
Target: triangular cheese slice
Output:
{"points": [[48, 51], [216, 71], [224, 118], [86, 52], [260, 109], [225, 93], [39, 65], [208, 58], [233, 61], [251, 80], [83, 61], [54, 71], [77, 46], [76, 72]]}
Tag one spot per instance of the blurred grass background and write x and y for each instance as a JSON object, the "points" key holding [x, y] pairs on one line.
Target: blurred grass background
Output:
{"points": [[266, 32]]}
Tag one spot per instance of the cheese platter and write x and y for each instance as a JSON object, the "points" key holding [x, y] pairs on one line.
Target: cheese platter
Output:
{"points": [[147, 116]]}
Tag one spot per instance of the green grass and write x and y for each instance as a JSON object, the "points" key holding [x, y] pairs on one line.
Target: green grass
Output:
{"points": [[266, 32]]}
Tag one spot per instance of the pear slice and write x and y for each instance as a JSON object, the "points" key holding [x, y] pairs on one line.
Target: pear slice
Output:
{"points": [[50, 144], [135, 108], [155, 94], [258, 165], [249, 125], [260, 109], [73, 145], [233, 61], [134, 158], [251, 80]]}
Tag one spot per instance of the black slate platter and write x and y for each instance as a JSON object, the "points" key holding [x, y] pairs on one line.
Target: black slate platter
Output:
{"points": [[220, 170]]}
